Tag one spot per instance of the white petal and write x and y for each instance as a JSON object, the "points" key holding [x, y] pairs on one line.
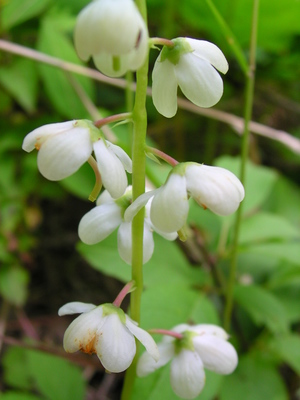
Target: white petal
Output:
{"points": [[125, 243], [63, 154], [31, 139], [144, 337], [198, 80], [209, 52], [187, 374], [116, 345], [105, 197], [82, 332], [164, 88], [168, 236], [138, 204], [146, 364], [104, 63], [112, 172], [122, 155], [99, 223], [210, 329], [217, 354], [75, 307], [215, 188], [169, 208]]}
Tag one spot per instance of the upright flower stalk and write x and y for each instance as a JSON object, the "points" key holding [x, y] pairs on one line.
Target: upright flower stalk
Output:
{"points": [[139, 117]]}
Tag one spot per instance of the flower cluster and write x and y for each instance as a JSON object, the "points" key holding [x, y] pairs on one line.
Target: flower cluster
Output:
{"points": [[191, 349], [100, 222], [212, 187]]}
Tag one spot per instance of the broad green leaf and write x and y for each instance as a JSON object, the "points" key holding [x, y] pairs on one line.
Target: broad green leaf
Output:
{"points": [[12, 395], [285, 275], [262, 306], [259, 181], [20, 80], [255, 378], [167, 264], [15, 12], [263, 227], [287, 251], [55, 378], [15, 374], [287, 347], [59, 85], [177, 304], [13, 284], [289, 298], [81, 183]]}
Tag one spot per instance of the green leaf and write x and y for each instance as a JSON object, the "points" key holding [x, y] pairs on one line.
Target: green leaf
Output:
{"points": [[288, 251], [287, 347], [59, 85], [15, 12], [285, 275], [81, 183], [20, 80], [13, 284], [15, 375], [57, 379], [264, 226], [262, 306], [255, 378], [11, 395]]}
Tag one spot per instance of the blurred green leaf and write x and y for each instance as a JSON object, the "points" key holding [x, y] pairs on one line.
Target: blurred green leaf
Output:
{"points": [[287, 347], [15, 12], [56, 379], [13, 284], [288, 251], [15, 374], [262, 306], [264, 226], [59, 85], [20, 80], [285, 274], [11, 395], [81, 183], [255, 378]]}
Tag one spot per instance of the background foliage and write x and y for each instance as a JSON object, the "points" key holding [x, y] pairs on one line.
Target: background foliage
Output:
{"points": [[42, 264]]}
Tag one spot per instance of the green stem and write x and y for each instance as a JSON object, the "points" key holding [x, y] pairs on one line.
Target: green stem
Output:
{"points": [[139, 117], [244, 155], [231, 40]]}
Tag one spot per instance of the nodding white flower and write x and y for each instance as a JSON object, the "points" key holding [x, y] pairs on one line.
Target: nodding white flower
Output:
{"points": [[114, 33], [64, 147], [201, 346], [212, 187], [192, 65], [107, 331], [107, 216]]}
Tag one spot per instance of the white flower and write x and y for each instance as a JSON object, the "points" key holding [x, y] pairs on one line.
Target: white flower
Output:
{"points": [[212, 187], [107, 216], [202, 346], [114, 33], [65, 147], [190, 64], [107, 331]]}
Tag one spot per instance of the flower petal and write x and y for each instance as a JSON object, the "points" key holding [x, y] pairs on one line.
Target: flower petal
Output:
{"points": [[210, 329], [164, 88], [215, 188], [75, 307], [169, 208], [62, 154], [99, 223], [125, 243], [144, 337], [217, 354], [209, 52], [122, 156], [112, 172], [116, 345], [187, 374], [82, 332], [138, 204], [146, 364], [198, 80], [31, 139], [104, 197]]}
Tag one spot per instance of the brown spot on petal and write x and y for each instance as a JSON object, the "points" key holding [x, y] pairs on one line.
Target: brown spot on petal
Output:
{"points": [[90, 346], [138, 39], [204, 206], [37, 145]]}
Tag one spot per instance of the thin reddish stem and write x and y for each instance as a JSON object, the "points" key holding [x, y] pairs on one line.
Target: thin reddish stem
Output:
{"points": [[168, 159], [162, 42], [176, 335], [112, 118], [129, 287]]}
